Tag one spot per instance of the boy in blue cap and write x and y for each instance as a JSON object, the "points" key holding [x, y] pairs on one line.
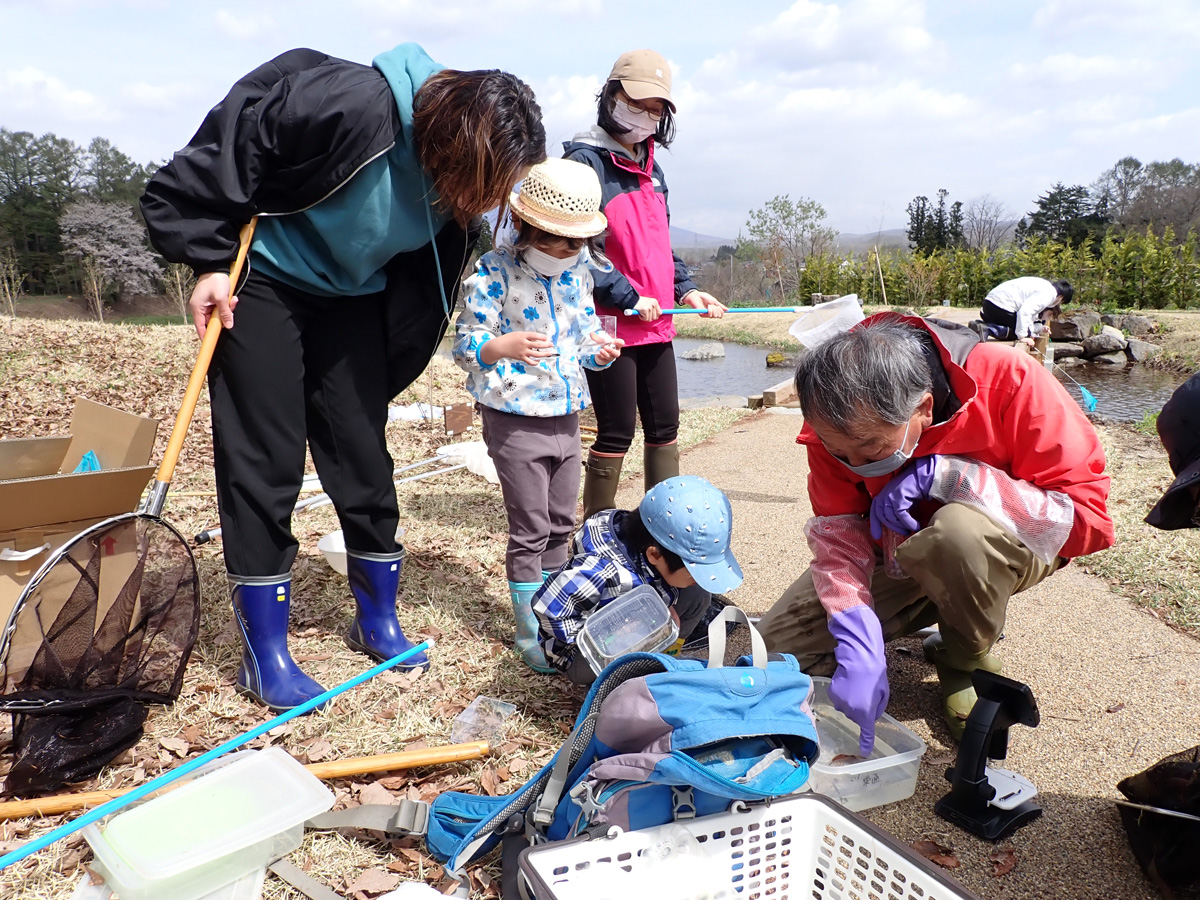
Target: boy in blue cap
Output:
{"points": [[677, 541]]}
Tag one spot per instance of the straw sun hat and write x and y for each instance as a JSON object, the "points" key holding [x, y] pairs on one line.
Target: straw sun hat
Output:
{"points": [[562, 197]]}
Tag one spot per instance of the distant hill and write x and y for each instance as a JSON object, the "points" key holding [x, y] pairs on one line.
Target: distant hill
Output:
{"points": [[682, 239], [861, 243]]}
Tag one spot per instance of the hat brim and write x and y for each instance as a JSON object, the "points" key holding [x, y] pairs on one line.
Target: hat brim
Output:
{"points": [[718, 577], [647, 90], [1176, 507], [587, 229]]}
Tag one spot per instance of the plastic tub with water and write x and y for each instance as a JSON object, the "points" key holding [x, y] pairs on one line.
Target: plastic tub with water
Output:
{"points": [[636, 622], [212, 831], [889, 774]]}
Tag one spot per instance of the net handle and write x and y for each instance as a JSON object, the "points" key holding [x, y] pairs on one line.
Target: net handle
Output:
{"points": [[187, 407]]}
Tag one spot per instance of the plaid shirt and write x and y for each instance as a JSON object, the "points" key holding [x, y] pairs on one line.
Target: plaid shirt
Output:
{"points": [[600, 570]]}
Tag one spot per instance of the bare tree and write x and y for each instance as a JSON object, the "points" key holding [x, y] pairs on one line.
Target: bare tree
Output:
{"points": [[12, 279], [986, 224], [110, 246], [786, 233], [179, 281]]}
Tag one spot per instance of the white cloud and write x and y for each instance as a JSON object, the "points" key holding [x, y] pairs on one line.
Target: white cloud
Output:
{"points": [[471, 16], [1164, 21], [244, 25], [869, 34], [32, 89], [1070, 69]]}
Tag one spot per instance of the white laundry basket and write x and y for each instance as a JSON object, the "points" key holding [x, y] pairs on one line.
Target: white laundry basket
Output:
{"points": [[803, 848]]}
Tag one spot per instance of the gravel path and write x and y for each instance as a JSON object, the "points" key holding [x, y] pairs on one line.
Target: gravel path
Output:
{"points": [[1082, 649]]}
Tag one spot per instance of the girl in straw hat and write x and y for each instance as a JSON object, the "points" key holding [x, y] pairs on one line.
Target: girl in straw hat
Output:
{"points": [[527, 331]]}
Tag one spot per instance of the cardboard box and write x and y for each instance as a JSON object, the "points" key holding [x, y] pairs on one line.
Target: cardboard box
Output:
{"points": [[43, 504]]}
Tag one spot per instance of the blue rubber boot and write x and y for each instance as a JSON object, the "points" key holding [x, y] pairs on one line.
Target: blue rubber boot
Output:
{"points": [[527, 645], [375, 631], [268, 673]]}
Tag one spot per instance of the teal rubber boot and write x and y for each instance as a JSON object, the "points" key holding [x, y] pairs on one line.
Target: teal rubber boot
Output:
{"points": [[527, 645]]}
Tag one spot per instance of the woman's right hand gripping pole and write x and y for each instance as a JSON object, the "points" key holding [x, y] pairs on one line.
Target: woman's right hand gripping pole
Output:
{"points": [[212, 295]]}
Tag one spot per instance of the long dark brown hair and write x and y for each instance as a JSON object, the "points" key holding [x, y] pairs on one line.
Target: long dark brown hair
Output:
{"points": [[476, 133]]}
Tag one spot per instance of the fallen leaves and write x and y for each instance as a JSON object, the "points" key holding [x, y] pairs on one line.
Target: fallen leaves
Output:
{"points": [[1003, 861], [372, 882], [1115, 708], [936, 853]]}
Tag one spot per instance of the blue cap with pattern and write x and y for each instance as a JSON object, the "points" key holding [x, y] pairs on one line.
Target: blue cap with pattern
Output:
{"points": [[691, 518]]}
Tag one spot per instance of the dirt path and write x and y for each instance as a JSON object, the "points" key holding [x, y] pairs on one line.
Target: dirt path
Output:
{"points": [[1082, 649]]}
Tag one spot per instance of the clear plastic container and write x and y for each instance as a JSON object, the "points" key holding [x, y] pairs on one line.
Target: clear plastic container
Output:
{"points": [[214, 830], [888, 775], [825, 320], [636, 622], [482, 720]]}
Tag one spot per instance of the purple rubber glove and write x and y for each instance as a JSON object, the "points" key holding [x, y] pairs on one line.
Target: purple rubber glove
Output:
{"points": [[891, 506], [859, 689]]}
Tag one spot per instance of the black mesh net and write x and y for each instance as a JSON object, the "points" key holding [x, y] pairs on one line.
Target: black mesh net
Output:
{"points": [[105, 628], [1166, 846]]}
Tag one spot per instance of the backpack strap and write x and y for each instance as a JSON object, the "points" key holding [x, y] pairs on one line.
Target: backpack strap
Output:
{"points": [[716, 639], [395, 820], [543, 813]]}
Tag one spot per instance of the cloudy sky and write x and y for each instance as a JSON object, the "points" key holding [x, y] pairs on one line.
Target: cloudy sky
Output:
{"points": [[860, 105]]}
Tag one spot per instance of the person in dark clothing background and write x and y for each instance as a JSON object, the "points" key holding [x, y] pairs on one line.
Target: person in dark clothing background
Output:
{"points": [[368, 181]]}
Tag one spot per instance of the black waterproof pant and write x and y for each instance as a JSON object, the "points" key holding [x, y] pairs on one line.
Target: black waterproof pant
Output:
{"points": [[641, 381], [297, 368]]}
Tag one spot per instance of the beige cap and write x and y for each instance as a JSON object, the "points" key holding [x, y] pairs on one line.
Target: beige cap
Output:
{"points": [[561, 196], [643, 74]]}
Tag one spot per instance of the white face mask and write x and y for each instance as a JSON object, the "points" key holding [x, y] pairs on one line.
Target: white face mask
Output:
{"points": [[545, 264], [888, 464], [640, 123]]}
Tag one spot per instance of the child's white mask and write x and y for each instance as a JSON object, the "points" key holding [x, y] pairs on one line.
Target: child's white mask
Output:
{"points": [[640, 124], [545, 264]]}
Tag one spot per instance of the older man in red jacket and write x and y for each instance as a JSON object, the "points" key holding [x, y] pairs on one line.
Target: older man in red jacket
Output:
{"points": [[945, 476]]}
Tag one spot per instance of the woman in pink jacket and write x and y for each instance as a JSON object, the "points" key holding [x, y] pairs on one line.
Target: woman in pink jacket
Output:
{"points": [[636, 114]]}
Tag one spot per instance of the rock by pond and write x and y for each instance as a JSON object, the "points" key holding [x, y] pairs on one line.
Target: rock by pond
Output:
{"points": [[1074, 326], [1105, 342], [712, 350], [1140, 351]]}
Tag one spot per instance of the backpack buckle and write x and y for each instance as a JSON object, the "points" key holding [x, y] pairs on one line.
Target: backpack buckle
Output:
{"points": [[584, 795], [683, 803], [411, 818]]}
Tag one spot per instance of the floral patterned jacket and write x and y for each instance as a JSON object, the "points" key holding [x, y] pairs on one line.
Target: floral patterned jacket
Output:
{"points": [[504, 295]]}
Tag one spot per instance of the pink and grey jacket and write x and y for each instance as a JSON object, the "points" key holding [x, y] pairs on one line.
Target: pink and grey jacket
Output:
{"points": [[638, 241]]}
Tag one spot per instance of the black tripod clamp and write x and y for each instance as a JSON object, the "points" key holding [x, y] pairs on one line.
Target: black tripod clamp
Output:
{"points": [[972, 803]]}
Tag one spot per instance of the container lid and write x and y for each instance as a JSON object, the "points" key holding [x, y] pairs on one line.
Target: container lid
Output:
{"points": [[237, 805], [637, 621]]}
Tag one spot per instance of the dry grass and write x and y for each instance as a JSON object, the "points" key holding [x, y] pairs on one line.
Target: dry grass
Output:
{"points": [[1158, 570], [453, 590]]}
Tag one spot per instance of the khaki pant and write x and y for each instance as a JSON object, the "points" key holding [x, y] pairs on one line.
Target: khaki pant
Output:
{"points": [[961, 569]]}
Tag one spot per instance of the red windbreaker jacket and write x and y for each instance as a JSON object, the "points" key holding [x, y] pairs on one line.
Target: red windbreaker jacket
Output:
{"points": [[1014, 415]]}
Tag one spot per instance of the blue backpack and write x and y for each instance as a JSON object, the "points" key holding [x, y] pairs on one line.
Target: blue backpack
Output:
{"points": [[658, 739]]}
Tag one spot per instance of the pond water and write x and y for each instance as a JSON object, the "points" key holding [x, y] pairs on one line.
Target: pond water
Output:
{"points": [[742, 372], [1122, 394]]}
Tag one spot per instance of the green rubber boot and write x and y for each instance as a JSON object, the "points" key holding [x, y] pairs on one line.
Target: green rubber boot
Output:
{"points": [[600, 480], [527, 644], [954, 666], [662, 462]]}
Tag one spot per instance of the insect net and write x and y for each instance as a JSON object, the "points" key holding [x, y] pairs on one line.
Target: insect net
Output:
{"points": [[1165, 845], [104, 628]]}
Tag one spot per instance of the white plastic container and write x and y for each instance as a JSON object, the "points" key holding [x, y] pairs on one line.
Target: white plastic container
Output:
{"points": [[888, 775], [214, 830], [636, 622], [825, 320]]}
